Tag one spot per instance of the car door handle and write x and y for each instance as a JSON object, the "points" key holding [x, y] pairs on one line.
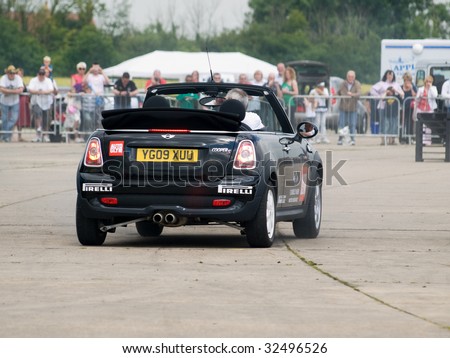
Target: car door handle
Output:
{"points": [[286, 148]]}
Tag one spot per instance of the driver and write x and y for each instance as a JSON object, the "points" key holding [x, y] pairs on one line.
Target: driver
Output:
{"points": [[251, 119]]}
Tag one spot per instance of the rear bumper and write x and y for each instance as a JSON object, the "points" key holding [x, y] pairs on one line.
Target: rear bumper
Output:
{"points": [[190, 203]]}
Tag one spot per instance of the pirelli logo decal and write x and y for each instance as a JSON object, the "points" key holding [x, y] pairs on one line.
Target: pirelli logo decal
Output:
{"points": [[97, 187], [235, 189]]}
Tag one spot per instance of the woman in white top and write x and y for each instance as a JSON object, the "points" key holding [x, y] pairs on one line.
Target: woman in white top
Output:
{"points": [[388, 87], [426, 103], [426, 97], [321, 94]]}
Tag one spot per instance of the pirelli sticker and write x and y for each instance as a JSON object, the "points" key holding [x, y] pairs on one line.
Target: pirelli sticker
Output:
{"points": [[97, 187], [116, 148], [235, 189]]}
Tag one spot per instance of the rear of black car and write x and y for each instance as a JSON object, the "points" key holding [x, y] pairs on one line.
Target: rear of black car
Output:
{"points": [[166, 165], [193, 176]]}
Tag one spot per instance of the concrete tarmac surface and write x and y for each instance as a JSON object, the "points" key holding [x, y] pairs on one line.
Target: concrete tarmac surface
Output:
{"points": [[380, 267]]}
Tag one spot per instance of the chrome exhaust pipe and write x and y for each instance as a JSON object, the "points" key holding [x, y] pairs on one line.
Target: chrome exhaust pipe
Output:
{"points": [[170, 219], [158, 218]]}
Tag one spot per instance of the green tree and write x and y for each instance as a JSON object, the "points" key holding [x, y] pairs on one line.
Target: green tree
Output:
{"points": [[19, 48], [344, 34], [88, 45]]}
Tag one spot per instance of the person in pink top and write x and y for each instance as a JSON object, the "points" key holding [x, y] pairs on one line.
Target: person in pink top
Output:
{"points": [[78, 78]]}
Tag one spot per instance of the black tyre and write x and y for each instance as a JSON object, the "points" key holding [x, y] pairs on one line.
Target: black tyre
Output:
{"points": [[309, 226], [261, 230], [88, 231], [148, 229]]}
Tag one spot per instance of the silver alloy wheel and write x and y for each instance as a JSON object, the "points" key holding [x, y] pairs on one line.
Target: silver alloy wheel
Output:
{"points": [[317, 206], [270, 213]]}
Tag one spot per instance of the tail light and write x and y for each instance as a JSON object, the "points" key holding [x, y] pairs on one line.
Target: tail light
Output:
{"points": [[245, 156], [179, 131], [109, 201], [221, 202], [93, 156]]}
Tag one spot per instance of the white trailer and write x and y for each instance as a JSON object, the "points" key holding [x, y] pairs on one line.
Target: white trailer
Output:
{"points": [[420, 57]]}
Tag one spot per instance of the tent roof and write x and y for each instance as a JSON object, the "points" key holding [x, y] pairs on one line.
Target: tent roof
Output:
{"points": [[177, 64]]}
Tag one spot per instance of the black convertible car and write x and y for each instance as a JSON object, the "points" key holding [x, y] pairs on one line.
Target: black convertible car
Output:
{"points": [[191, 157]]}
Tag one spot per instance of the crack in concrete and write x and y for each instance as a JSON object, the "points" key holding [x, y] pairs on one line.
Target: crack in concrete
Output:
{"points": [[37, 197], [314, 265]]}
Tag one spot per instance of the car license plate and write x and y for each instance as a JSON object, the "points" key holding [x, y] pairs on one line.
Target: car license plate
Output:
{"points": [[171, 155]]}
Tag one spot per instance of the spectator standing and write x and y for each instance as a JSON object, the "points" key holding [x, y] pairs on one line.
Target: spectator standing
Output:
{"points": [[391, 110], [76, 88], [289, 88], [274, 85], [379, 89], [157, 79], [73, 115], [258, 79], [281, 68], [426, 103], [78, 78], [96, 79], [350, 88], [310, 111], [188, 100], [243, 79], [41, 90], [445, 93], [321, 95], [24, 108], [11, 86], [217, 78], [124, 89], [410, 91], [254, 104], [88, 109], [195, 76], [55, 86]]}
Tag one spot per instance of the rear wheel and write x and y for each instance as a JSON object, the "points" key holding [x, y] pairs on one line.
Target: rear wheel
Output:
{"points": [[309, 226], [148, 229], [261, 230], [88, 231]]}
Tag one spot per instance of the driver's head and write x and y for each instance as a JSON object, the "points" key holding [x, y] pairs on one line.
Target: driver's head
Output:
{"points": [[240, 95]]}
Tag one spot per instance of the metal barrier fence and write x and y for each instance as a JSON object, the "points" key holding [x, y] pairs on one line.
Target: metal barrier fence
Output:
{"points": [[367, 115], [76, 116], [70, 117]]}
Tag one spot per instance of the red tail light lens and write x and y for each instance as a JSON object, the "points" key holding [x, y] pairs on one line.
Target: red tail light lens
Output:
{"points": [[245, 156], [221, 202], [93, 156], [109, 201]]}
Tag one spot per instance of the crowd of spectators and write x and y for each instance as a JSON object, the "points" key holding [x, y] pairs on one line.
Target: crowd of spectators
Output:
{"points": [[85, 100]]}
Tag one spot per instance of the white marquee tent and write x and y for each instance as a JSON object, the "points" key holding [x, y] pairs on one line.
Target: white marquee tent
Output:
{"points": [[176, 65]]}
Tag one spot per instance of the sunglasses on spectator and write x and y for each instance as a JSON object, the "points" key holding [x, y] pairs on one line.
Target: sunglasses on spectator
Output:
{"points": [[81, 68]]}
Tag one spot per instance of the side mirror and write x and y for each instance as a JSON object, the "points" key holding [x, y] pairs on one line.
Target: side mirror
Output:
{"points": [[307, 130]]}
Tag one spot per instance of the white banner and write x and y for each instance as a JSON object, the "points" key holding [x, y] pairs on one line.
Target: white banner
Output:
{"points": [[227, 347]]}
